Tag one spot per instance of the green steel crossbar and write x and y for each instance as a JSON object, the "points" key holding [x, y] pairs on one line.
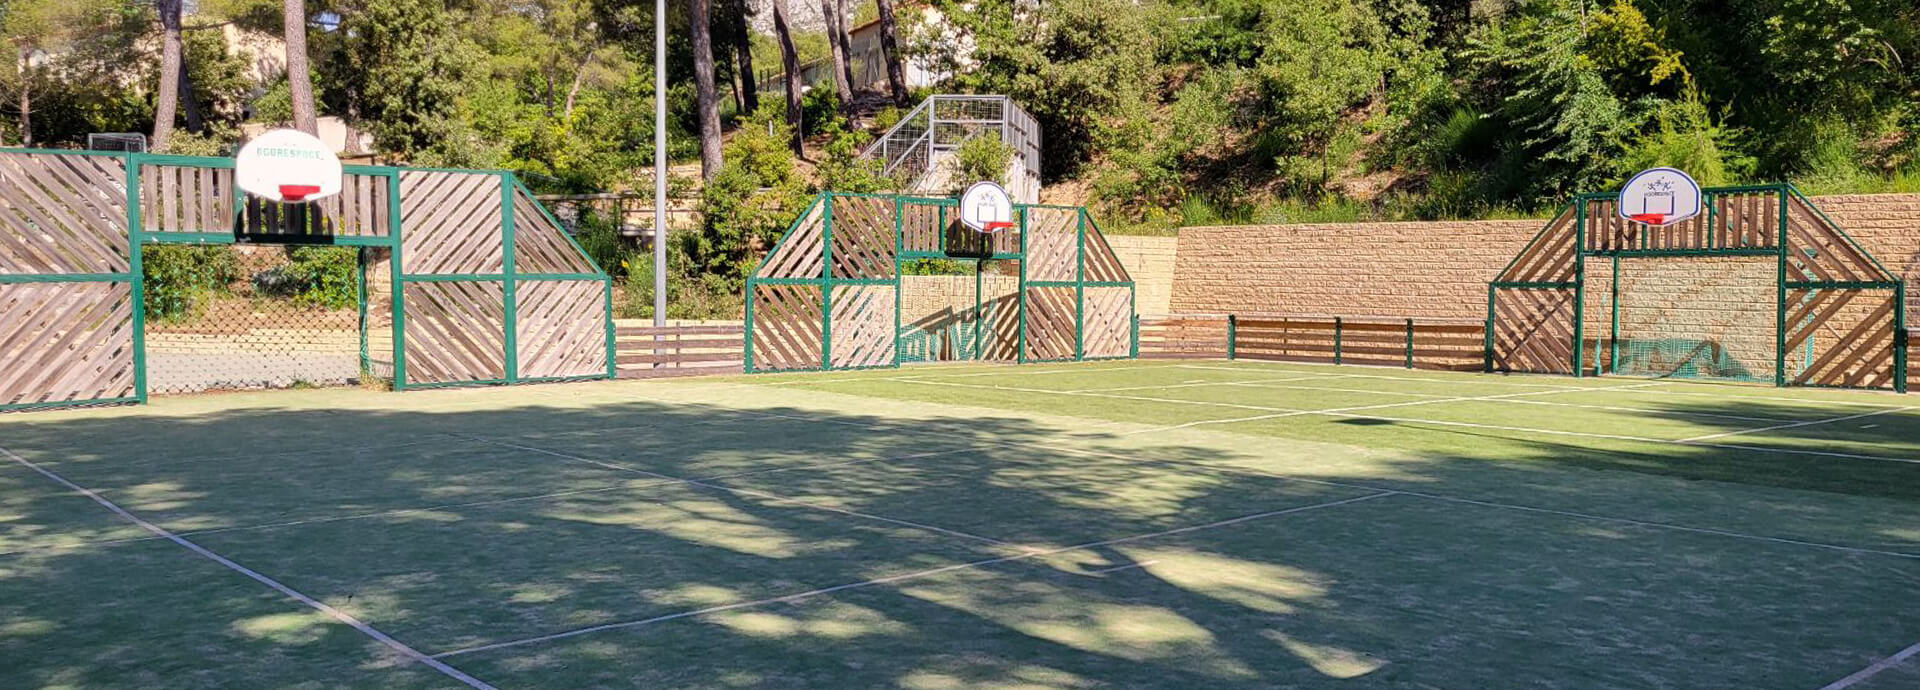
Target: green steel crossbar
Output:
{"points": [[1674, 253], [65, 278], [1503, 285], [1844, 285]]}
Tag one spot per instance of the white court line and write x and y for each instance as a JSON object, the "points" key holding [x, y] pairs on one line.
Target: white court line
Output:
{"points": [[1479, 379], [1794, 425], [1007, 370], [1190, 384], [1443, 497], [1874, 669], [750, 492], [1493, 504], [1515, 401], [902, 577], [336, 614], [1356, 408], [476, 504], [1119, 568], [1114, 396], [1277, 370]]}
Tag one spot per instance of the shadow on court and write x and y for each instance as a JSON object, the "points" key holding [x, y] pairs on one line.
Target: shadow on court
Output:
{"points": [[989, 550]]}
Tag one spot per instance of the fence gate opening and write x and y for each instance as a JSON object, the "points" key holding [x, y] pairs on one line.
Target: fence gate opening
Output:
{"points": [[128, 273], [863, 281], [1762, 287]]}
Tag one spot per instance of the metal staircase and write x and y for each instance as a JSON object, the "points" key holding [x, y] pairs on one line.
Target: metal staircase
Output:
{"points": [[920, 147]]}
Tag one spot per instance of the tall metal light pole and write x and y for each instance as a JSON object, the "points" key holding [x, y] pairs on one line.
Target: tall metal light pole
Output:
{"points": [[659, 163]]}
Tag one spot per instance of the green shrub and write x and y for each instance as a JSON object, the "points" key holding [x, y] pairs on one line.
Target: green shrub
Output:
{"points": [[983, 157], [325, 277], [177, 278]]}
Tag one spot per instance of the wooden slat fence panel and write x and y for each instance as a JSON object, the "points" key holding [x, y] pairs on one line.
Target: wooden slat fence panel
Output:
{"points": [[1108, 317], [455, 332], [863, 241], [787, 327], [1050, 323], [649, 352], [1375, 341], [1183, 336], [540, 246], [799, 254], [1052, 244], [451, 223], [1550, 257], [863, 332], [62, 214], [65, 342], [562, 328], [1533, 331]]}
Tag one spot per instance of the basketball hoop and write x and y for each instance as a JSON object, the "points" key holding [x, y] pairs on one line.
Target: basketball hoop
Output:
{"points": [[1659, 197], [286, 165], [985, 207]]}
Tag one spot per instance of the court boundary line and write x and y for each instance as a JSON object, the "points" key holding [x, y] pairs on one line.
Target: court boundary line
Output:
{"points": [[1499, 504], [276, 585], [1612, 408], [1444, 497], [1471, 377], [1190, 384], [631, 624], [1355, 408], [752, 492], [1796, 425], [805, 379], [1874, 669], [625, 486]]}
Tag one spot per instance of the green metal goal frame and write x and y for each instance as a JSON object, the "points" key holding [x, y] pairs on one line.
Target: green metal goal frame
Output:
{"points": [[1783, 195], [393, 240], [826, 281]]}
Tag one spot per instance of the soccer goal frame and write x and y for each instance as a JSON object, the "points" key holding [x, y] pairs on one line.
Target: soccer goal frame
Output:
{"points": [[1824, 282]]}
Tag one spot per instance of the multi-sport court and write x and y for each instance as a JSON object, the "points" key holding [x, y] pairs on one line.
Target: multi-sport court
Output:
{"points": [[1130, 524]]}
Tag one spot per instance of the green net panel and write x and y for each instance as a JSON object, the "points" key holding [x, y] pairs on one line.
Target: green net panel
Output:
{"points": [[1710, 317]]}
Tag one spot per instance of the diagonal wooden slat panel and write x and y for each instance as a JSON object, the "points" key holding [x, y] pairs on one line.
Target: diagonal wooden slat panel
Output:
{"points": [[1103, 264], [562, 327], [62, 216], [1109, 322], [863, 238], [455, 331], [863, 326], [451, 223], [1050, 323], [786, 327], [65, 342], [1533, 331], [539, 246], [1541, 260], [1052, 244], [799, 253]]}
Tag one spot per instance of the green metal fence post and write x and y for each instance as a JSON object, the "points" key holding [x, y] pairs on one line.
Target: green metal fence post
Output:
{"points": [[1080, 286], [360, 295], [1409, 343], [136, 279], [746, 355], [1336, 340], [1233, 336], [1613, 322], [1780, 299], [1901, 338], [899, 246], [1133, 346], [507, 279], [613, 356], [395, 271], [826, 282], [1580, 289], [1021, 351], [1486, 347]]}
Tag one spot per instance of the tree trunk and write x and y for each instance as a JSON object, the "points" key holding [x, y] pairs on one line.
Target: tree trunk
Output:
{"points": [[749, 82], [845, 36], [790, 65], [842, 79], [579, 76], [707, 97], [167, 99], [890, 52], [190, 106], [299, 77], [26, 110]]}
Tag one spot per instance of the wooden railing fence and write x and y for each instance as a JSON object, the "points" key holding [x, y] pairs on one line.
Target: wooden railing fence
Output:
{"points": [[1411, 343], [660, 351]]}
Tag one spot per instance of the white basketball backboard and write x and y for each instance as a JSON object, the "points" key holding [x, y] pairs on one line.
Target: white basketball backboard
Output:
{"points": [[1660, 196]]}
